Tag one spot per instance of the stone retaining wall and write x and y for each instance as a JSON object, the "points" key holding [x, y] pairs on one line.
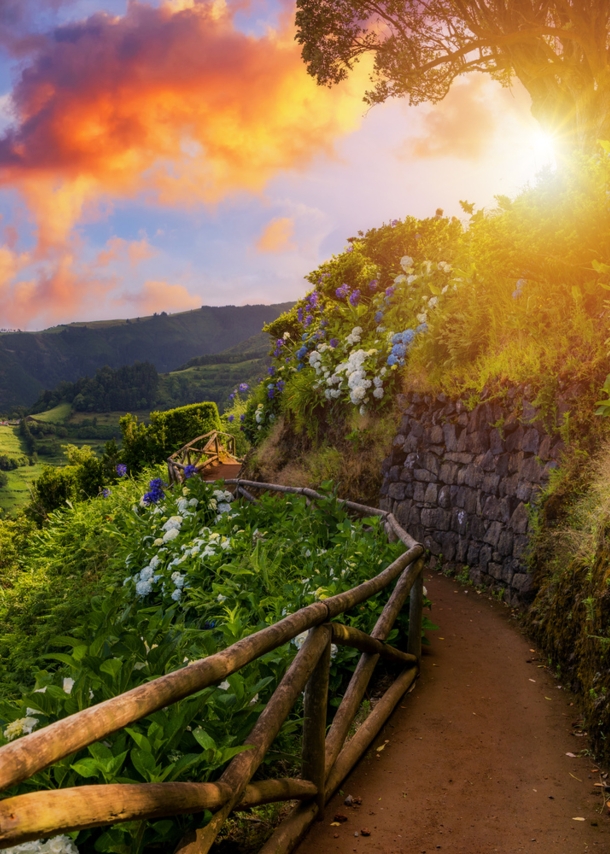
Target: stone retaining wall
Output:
{"points": [[461, 483]]}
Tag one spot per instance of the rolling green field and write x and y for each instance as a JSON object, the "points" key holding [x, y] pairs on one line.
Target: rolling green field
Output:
{"points": [[17, 491]]}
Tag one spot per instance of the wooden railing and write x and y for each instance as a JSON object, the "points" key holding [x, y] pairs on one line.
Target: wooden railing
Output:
{"points": [[327, 757], [203, 452]]}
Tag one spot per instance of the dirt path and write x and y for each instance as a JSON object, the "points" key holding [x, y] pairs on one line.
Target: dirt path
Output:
{"points": [[475, 760]]}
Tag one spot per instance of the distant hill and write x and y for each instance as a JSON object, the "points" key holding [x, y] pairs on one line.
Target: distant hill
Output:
{"points": [[33, 361]]}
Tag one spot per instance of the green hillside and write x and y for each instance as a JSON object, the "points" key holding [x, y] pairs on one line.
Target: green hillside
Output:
{"points": [[33, 361]]}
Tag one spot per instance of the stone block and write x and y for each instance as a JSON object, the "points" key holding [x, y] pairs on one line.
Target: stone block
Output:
{"points": [[495, 570], [490, 484], [436, 518], [436, 435], [519, 520], [414, 517], [496, 445], [461, 549], [462, 445], [411, 443], [523, 491], [471, 501], [450, 437], [424, 475], [459, 521], [402, 511], [488, 463], [544, 451], [397, 490], [515, 462], [463, 419], [444, 497], [472, 555], [530, 413], [505, 543], [462, 459], [477, 527], [417, 429], [394, 474], [432, 545], [448, 541], [460, 478], [419, 491], [492, 535], [522, 583], [384, 488], [431, 494], [502, 465], [430, 462], [530, 469], [398, 439], [473, 476], [448, 472], [520, 545], [478, 442], [531, 441], [514, 441], [496, 508], [484, 557]]}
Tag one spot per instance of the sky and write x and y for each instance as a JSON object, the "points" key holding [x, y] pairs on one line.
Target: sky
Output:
{"points": [[162, 155]]}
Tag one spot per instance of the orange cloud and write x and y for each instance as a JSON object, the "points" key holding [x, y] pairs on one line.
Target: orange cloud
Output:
{"points": [[276, 236], [171, 100], [161, 296], [118, 249]]}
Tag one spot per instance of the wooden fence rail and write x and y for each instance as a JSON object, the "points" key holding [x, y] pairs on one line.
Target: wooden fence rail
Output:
{"points": [[327, 756]]}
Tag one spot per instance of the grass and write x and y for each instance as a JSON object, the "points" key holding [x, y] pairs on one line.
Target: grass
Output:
{"points": [[58, 415]]}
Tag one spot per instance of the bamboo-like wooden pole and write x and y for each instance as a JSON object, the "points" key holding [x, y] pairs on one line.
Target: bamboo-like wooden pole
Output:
{"points": [[314, 726], [348, 636], [416, 604], [365, 667], [292, 829], [41, 814], [239, 771]]}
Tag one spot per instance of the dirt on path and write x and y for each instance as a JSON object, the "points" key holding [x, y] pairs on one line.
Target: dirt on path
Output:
{"points": [[475, 758]]}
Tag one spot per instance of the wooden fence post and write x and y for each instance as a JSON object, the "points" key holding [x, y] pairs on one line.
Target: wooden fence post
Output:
{"points": [[416, 604], [314, 727]]}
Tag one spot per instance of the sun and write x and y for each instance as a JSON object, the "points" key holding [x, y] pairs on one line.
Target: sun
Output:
{"points": [[544, 149]]}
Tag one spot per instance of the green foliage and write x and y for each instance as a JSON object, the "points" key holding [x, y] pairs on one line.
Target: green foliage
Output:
{"points": [[167, 432], [111, 593], [130, 387]]}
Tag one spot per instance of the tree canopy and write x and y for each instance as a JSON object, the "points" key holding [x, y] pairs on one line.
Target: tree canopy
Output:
{"points": [[558, 49]]}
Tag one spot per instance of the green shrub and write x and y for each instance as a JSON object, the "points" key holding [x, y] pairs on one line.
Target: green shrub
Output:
{"points": [[145, 445]]}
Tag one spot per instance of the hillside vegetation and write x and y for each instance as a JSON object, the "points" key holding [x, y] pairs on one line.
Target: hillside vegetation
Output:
{"points": [[31, 362], [515, 296]]}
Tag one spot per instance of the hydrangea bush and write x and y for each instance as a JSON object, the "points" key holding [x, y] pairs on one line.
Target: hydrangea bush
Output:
{"points": [[190, 574], [343, 345]]}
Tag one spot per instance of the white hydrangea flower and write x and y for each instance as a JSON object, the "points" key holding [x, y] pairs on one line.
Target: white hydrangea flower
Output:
{"points": [[422, 318], [67, 684], [170, 535], [143, 588], [334, 649], [254, 700], [406, 262], [300, 639], [400, 279], [22, 726], [378, 393], [176, 594], [432, 302], [173, 523], [224, 686], [412, 278], [56, 845], [221, 598], [178, 579]]}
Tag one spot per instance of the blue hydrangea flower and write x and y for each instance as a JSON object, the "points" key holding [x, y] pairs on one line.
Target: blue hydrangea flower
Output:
{"points": [[230, 419], [378, 317], [354, 298], [301, 352], [243, 387], [155, 493], [334, 342], [105, 493], [342, 291], [121, 469], [373, 285], [271, 371], [190, 470]]}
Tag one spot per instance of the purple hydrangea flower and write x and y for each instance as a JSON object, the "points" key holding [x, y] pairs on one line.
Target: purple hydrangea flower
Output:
{"points": [[394, 222], [280, 385], [242, 417], [300, 314], [312, 299], [378, 317], [230, 419], [373, 285], [354, 298], [308, 321], [121, 469], [334, 342], [390, 291], [342, 291], [190, 471], [105, 492], [350, 248]]}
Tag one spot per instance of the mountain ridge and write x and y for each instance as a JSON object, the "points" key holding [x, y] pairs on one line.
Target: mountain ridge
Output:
{"points": [[31, 362]]}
